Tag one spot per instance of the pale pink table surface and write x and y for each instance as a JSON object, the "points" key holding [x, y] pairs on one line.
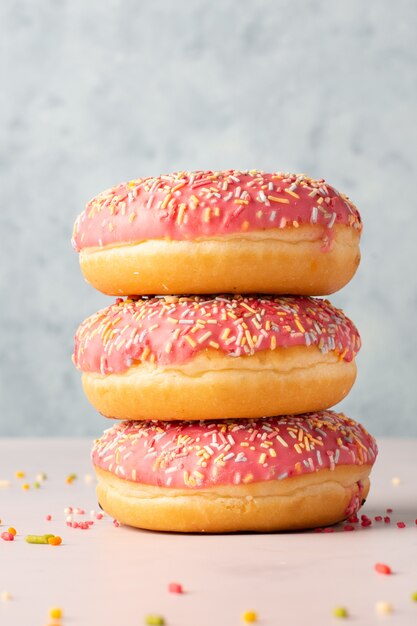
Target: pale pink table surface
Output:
{"points": [[109, 576]]}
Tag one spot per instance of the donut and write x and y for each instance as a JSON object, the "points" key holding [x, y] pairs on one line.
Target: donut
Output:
{"points": [[212, 232], [279, 473], [216, 357]]}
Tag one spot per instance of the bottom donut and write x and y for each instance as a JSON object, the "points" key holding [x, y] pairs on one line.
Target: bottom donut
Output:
{"points": [[282, 473]]}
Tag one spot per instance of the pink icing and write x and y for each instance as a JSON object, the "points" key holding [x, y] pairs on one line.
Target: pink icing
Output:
{"points": [[189, 205], [169, 329], [205, 454]]}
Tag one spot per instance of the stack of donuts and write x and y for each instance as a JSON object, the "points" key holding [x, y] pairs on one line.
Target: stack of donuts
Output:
{"points": [[222, 382]]}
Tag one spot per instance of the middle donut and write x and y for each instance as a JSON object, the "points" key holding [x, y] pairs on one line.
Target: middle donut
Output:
{"points": [[170, 357]]}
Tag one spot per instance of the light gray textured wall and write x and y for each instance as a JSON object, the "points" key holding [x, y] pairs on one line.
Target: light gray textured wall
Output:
{"points": [[93, 93]]}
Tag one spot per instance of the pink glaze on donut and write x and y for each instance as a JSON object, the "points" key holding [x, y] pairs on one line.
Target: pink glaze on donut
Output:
{"points": [[191, 205], [205, 454], [169, 329]]}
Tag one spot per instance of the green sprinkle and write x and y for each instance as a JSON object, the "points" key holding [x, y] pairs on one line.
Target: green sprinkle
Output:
{"points": [[154, 620], [38, 538], [340, 611], [414, 596], [36, 485]]}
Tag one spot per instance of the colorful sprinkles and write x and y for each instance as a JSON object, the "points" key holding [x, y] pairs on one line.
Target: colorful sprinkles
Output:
{"points": [[196, 454], [189, 205], [170, 329]]}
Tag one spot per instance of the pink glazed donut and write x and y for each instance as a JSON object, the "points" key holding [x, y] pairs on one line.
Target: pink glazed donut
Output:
{"points": [[279, 473], [216, 357], [215, 232]]}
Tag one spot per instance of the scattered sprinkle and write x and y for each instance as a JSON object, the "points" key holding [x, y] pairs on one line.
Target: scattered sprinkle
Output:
{"points": [[382, 568], [70, 478], [395, 481], [38, 538], [55, 541], [12, 531], [154, 620], [383, 608], [340, 611], [20, 474], [6, 536], [6, 596], [175, 588], [55, 613], [414, 596], [401, 524], [248, 617]]}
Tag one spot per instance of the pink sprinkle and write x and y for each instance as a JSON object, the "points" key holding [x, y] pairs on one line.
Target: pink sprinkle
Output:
{"points": [[328, 530], [175, 588], [318, 530], [387, 519], [389, 510], [353, 519], [6, 536], [48, 518], [378, 518], [415, 521], [366, 522], [99, 516], [401, 524], [68, 510], [348, 527], [116, 523], [90, 522]]}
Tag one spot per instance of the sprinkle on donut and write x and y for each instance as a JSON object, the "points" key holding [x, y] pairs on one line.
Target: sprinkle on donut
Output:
{"points": [[166, 330], [208, 453], [191, 205]]}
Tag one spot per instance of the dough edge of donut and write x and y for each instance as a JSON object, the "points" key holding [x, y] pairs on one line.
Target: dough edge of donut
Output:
{"points": [[306, 501], [267, 383], [273, 261]]}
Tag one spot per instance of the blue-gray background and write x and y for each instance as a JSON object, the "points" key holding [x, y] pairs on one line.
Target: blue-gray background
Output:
{"points": [[93, 93]]}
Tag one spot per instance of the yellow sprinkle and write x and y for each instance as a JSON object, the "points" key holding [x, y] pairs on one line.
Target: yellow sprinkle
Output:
{"points": [[214, 345], [281, 200], [181, 211], [292, 193], [299, 325], [249, 617], [166, 200], [145, 354], [20, 474], [55, 613], [239, 201], [273, 342], [225, 333], [217, 211], [248, 478], [262, 458], [206, 215], [168, 347], [26, 486], [190, 341], [132, 217], [195, 200], [245, 225], [173, 320], [272, 452], [298, 449]]}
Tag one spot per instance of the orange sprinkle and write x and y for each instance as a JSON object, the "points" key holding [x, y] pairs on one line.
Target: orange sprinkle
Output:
{"points": [[281, 200]]}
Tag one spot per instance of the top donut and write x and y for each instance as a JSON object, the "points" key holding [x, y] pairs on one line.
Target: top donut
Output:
{"points": [[209, 232]]}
